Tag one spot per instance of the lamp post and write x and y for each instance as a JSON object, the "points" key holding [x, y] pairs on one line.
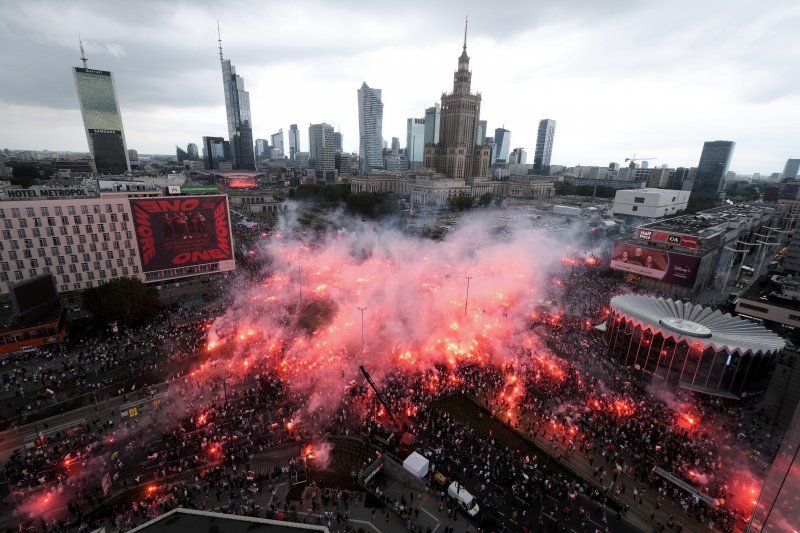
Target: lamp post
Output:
{"points": [[362, 309], [466, 300]]}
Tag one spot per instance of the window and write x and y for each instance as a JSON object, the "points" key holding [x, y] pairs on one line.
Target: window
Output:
{"points": [[85, 267], [70, 239], [119, 208], [36, 232], [59, 269], [7, 223], [27, 254], [638, 199], [28, 243], [794, 317], [15, 245], [70, 209], [58, 211], [90, 219], [96, 209], [37, 222], [635, 208], [85, 209], [23, 223], [65, 221], [103, 219], [45, 211], [6, 235], [42, 242], [63, 230], [50, 232], [76, 219], [82, 239], [12, 254], [88, 229], [108, 208], [754, 307], [29, 212], [15, 212]]}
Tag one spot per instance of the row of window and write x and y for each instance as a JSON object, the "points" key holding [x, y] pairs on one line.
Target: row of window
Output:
{"points": [[16, 212], [107, 247], [41, 243], [22, 233], [111, 273], [63, 220]]}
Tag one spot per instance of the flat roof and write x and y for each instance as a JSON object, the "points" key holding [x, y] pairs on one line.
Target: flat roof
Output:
{"points": [[182, 520], [710, 222], [770, 293]]}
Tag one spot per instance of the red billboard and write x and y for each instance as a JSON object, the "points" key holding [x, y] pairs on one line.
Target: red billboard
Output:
{"points": [[671, 267], [182, 231], [659, 236]]}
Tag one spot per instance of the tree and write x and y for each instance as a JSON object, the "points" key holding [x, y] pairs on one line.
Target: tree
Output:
{"points": [[462, 202], [126, 301], [485, 199], [23, 174]]}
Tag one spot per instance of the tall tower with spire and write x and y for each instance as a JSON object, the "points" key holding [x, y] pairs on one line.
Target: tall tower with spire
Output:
{"points": [[237, 108], [457, 154], [97, 96]]}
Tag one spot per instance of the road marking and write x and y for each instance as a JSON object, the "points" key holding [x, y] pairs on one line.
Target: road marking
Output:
{"points": [[429, 514]]}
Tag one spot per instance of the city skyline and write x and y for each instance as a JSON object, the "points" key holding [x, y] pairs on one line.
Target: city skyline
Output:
{"points": [[614, 85]]}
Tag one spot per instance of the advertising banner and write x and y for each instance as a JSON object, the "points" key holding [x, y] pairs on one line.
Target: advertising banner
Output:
{"points": [[182, 231], [662, 237], [671, 267]]}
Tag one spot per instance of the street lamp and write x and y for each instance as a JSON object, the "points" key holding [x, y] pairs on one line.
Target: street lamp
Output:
{"points": [[362, 309], [466, 300]]}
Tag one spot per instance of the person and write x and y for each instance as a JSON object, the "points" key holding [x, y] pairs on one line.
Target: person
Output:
{"points": [[638, 256], [169, 231]]}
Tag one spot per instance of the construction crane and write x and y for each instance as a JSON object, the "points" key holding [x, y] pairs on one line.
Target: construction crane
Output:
{"points": [[634, 159], [406, 444], [380, 397]]}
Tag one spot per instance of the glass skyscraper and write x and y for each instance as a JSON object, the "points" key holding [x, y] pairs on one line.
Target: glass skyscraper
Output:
{"points": [[237, 107], [415, 140], [433, 118], [294, 141], [370, 128], [544, 146], [502, 138], [709, 183], [97, 96]]}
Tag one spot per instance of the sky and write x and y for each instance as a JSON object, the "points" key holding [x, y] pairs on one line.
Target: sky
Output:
{"points": [[620, 77]]}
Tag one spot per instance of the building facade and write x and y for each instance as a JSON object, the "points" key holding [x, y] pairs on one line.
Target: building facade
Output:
{"points": [[215, 151], [237, 108], [650, 203], [457, 154], [544, 146], [262, 149], [482, 132], [294, 141], [415, 140], [370, 128], [433, 119], [502, 141], [791, 169], [709, 181], [277, 141], [322, 150], [97, 96]]}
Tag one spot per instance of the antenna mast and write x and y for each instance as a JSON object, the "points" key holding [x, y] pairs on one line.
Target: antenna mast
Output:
{"points": [[219, 40], [83, 54]]}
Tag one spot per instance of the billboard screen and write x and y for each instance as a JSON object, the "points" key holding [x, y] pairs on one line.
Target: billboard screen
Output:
{"points": [[686, 241], [671, 267], [35, 298], [182, 231]]}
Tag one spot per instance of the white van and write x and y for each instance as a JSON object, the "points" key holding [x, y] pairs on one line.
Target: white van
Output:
{"points": [[466, 500]]}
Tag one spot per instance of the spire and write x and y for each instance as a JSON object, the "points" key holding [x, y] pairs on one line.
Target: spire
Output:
{"points": [[83, 54], [219, 40], [466, 22]]}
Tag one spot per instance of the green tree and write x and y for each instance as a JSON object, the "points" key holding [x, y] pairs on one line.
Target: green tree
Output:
{"points": [[485, 199], [23, 174], [126, 301], [462, 202]]}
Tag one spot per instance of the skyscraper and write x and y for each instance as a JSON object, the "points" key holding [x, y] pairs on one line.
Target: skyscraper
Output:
{"points": [[294, 141], [481, 132], [262, 149], [415, 140], [277, 140], [518, 156], [456, 155], [214, 152], [321, 148], [709, 182], [181, 155], [191, 149], [791, 169], [370, 125], [433, 119], [544, 146], [502, 138], [97, 96], [237, 106], [395, 145], [337, 141]]}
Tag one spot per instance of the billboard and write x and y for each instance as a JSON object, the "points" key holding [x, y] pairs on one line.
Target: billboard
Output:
{"points": [[670, 267], [35, 298], [182, 231], [662, 237]]}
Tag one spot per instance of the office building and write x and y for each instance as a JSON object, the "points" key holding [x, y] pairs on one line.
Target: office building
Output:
{"points": [[370, 128], [502, 141], [262, 149], [433, 119], [194, 154], [481, 133], [181, 155], [456, 155], [86, 238], [320, 141], [303, 160], [294, 141], [395, 145], [791, 169], [709, 182], [544, 146], [415, 140], [337, 142], [215, 151], [277, 141], [650, 203], [97, 96], [237, 107], [518, 156]]}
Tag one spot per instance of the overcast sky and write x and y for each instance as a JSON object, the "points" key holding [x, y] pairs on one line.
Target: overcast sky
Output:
{"points": [[619, 76]]}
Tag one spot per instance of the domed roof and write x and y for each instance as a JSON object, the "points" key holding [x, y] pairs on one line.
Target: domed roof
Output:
{"points": [[685, 321]]}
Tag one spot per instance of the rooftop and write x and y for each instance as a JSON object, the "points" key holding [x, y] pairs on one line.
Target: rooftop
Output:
{"points": [[710, 222], [182, 520], [780, 291]]}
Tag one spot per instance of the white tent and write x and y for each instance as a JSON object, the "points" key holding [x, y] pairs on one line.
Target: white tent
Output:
{"points": [[416, 464]]}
